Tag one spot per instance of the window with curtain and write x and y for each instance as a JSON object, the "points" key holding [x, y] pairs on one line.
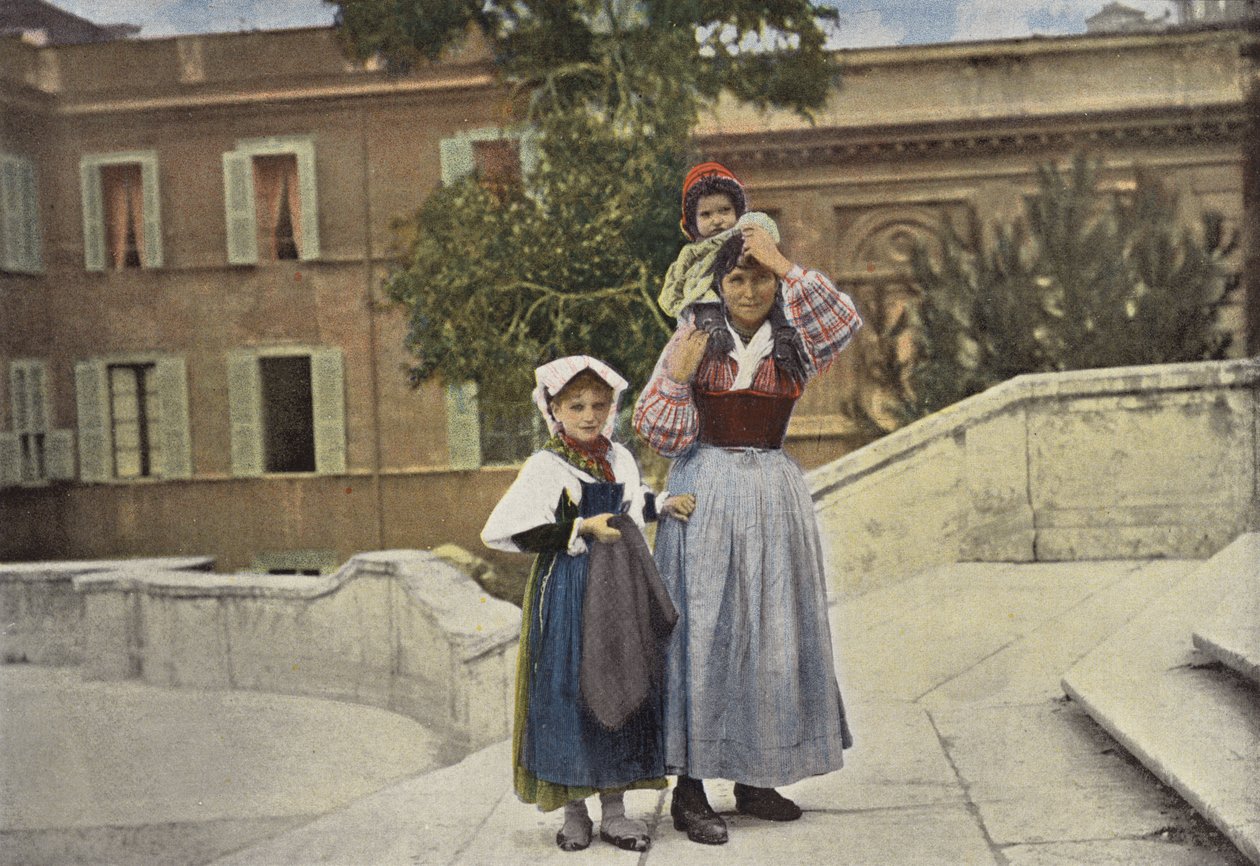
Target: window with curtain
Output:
{"points": [[278, 207], [122, 191], [270, 202], [122, 220]]}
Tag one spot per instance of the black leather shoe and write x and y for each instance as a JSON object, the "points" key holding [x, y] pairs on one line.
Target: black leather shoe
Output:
{"points": [[765, 803], [691, 812]]}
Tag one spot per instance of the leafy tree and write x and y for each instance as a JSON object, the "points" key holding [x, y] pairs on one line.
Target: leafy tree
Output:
{"points": [[499, 279], [1084, 279]]}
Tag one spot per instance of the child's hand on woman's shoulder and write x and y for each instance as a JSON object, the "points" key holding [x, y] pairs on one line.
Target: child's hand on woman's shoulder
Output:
{"points": [[598, 528], [680, 506], [685, 354]]}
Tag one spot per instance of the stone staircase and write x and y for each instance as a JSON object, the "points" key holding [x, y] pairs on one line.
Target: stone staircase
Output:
{"points": [[1168, 688]]}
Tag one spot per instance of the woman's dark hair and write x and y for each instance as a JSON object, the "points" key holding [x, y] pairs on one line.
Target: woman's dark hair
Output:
{"points": [[711, 185]]}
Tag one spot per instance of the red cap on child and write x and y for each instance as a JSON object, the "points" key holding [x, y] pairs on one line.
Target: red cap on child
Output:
{"points": [[703, 170]]}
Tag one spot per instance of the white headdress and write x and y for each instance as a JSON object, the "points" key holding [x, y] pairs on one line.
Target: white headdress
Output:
{"points": [[553, 376]]}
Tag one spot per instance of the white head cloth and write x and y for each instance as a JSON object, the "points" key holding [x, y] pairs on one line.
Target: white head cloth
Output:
{"points": [[553, 376]]}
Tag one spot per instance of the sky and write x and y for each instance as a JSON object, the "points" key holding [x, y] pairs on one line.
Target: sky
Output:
{"points": [[864, 23]]}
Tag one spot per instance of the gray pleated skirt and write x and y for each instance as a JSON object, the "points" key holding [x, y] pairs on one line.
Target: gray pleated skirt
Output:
{"points": [[750, 690]]}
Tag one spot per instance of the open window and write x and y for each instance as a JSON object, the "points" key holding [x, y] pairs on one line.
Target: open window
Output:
{"points": [[287, 410], [133, 418], [270, 200], [122, 220], [497, 157]]}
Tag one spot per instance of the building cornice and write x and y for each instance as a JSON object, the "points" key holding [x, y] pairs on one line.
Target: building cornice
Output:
{"points": [[1162, 127], [381, 87]]}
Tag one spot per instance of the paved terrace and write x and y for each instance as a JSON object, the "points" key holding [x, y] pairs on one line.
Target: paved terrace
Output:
{"points": [[967, 752]]}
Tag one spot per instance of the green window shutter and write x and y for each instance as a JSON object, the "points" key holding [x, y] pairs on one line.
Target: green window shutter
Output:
{"points": [[33, 254], [19, 397], [10, 460], [463, 425], [59, 455], [10, 215], [245, 413], [172, 386], [238, 197], [93, 215], [457, 158], [530, 153], [328, 396], [152, 211], [95, 448], [305, 153]]}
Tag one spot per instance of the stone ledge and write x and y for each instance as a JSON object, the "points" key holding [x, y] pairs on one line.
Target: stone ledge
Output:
{"points": [[956, 419], [1195, 728], [36, 571], [1232, 634]]}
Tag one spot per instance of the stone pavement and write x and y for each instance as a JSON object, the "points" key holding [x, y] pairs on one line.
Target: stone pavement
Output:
{"points": [[126, 773], [967, 752]]}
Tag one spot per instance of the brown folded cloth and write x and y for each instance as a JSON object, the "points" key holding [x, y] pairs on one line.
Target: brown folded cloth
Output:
{"points": [[627, 618]]}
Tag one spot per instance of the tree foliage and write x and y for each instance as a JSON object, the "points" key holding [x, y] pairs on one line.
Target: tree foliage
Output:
{"points": [[1084, 279], [499, 280]]}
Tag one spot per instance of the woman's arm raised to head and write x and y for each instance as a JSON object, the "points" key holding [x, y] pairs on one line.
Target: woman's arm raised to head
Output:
{"points": [[825, 316]]}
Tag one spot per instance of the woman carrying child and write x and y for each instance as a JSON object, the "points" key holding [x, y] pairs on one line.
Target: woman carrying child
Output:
{"points": [[568, 498], [750, 688]]}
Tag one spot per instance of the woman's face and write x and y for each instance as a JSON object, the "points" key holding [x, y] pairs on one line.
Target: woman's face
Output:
{"points": [[583, 413], [749, 293]]}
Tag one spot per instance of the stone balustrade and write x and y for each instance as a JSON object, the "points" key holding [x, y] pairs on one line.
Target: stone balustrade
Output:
{"points": [[1132, 462], [402, 630], [41, 615]]}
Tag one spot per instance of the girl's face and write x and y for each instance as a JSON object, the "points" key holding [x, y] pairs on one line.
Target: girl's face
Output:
{"points": [[583, 413], [714, 213], [749, 294]]}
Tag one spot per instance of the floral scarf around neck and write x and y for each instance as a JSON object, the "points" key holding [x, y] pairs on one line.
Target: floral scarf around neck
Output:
{"points": [[591, 458]]}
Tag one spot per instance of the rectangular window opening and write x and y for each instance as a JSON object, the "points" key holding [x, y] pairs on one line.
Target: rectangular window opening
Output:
{"points": [[135, 418], [278, 205], [122, 190], [288, 414]]}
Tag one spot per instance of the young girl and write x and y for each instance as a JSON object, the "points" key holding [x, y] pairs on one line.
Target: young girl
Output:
{"points": [[566, 499]]}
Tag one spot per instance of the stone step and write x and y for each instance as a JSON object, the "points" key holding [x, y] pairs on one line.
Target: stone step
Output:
{"points": [[1232, 634], [1195, 725]]}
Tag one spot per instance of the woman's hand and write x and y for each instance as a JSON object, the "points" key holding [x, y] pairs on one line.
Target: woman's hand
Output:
{"points": [[597, 527], [760, 246], [680, 507], [685, 356]]}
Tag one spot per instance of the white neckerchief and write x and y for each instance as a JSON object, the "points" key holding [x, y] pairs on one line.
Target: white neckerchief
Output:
{"points": [[748, 357]]}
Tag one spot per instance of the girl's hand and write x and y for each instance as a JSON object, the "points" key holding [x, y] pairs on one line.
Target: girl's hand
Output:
{"points": [[685, 356], [760, 246], [598, 528], [680, 507]]}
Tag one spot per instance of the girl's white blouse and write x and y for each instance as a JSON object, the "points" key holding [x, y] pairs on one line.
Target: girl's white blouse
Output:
{"points": [[532, 499]]}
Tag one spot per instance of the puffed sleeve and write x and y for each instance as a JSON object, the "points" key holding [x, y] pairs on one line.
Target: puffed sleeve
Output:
{"points": [[640, 500], [825, 316], [527, 519], [665, 415]]}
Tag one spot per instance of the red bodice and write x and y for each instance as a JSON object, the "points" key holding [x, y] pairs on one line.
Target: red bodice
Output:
{"points": [[744, 419]]}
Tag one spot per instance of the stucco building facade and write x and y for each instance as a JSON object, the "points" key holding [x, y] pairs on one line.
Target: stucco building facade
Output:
{"points": [[195, 230]]}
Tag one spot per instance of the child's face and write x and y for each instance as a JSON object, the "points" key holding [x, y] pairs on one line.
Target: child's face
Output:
{"points": [[583, 413], [749, 294], [714, 213]]}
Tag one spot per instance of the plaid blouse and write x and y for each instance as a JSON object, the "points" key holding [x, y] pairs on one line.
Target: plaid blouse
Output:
{"points": [[825, 317]]}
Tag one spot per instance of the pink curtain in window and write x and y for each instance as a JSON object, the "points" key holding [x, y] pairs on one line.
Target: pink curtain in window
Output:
{"points": [[276, 176], [123, 200]]}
